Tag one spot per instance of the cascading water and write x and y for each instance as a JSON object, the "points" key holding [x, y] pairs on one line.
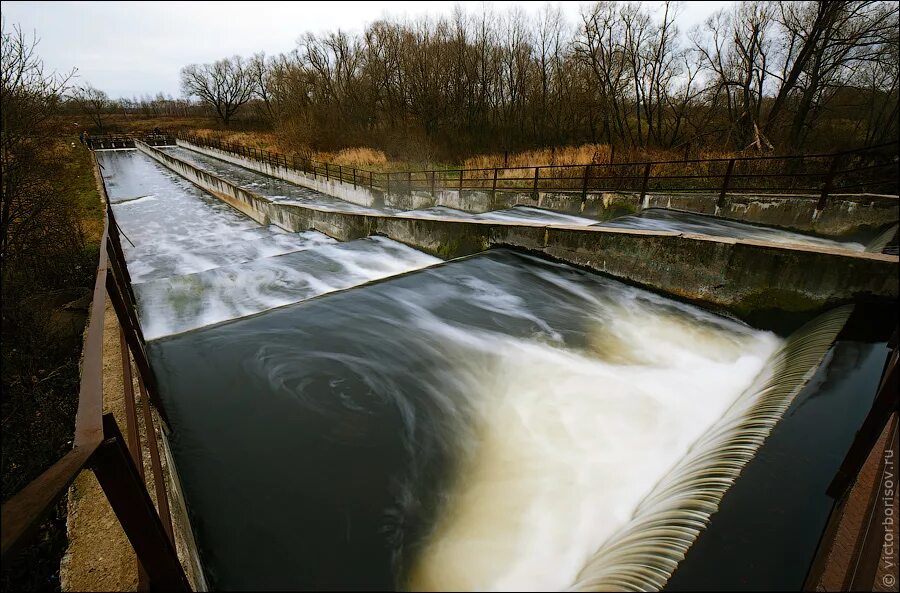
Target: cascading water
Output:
{"points": [[445, 431], [194, 261], [495, 422]]}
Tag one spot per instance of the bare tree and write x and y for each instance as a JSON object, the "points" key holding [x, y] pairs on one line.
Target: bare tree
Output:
{"points": [[29, 97], [95, 103], [760, 74], [224, 85], [826, 45]]}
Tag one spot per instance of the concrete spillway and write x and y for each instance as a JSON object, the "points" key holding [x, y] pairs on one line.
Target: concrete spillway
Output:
{"points": [[686, 222], [652, 219], [497, 421], [195, 261], [282, 191]]}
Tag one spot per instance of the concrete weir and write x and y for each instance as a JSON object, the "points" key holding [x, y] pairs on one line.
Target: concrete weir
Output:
{"points": [[739, 275], [845, 214]]}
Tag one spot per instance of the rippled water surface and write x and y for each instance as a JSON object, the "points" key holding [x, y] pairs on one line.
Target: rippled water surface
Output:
{"points": [[486, 423], [659, 219], [471, 425], [195, 261]]}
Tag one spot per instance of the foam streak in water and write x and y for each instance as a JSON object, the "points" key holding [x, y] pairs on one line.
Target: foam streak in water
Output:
{"points": [[182, 303]]}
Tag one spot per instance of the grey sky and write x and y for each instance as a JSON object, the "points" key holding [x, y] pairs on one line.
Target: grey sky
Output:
{"points": [[135, 48]]}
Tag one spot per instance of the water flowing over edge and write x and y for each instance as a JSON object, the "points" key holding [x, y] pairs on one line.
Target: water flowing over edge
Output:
{"points": [[643, 556], [878, 244]]}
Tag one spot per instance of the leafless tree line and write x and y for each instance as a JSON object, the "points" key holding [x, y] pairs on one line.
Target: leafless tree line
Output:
{"points": [[31, 214], [759, 75]]}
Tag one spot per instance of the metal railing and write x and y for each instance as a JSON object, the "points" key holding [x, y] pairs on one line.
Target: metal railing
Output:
{"points": [[111, 141], [99, 445], [867, 170]]}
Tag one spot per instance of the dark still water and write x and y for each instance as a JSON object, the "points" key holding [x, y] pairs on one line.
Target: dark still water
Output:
{"points": [[485, 423]]}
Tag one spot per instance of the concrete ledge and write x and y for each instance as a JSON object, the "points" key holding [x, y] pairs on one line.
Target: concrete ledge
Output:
{"points": [[360, 195], [845, 214], [741, 276]]}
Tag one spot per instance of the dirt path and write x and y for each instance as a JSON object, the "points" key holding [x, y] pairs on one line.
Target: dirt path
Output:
{"points": [[99, 556]]}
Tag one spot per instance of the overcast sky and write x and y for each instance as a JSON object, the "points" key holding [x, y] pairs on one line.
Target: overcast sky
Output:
{"points": [[134, 48]]}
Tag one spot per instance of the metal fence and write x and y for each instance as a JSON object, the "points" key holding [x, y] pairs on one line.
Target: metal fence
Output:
{"points": [[112, 141], [867, 170], [99, 445]]}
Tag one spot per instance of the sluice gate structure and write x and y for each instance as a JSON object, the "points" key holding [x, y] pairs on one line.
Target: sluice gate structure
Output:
{"points": [[313, 352]]}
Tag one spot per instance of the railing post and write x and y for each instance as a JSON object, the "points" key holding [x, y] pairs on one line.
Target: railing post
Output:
{"points": [[535, 188], [130, 501], [462, 172], [494, 185], [354, 177], [432, 184], [341, 173], [829, 180], [645, 181], [371, 180], [326, 172], [725, 183], [409, 184], [584, 185]]}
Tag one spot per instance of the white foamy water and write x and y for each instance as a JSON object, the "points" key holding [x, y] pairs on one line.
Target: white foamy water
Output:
{"points": [[569, 442], [171, 227], [182, 303], [529, 214], [194, 261]]}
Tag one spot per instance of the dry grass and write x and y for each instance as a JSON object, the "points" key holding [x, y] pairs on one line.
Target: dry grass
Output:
{"points": [[563, 155], [354, 157], [260, 140]]}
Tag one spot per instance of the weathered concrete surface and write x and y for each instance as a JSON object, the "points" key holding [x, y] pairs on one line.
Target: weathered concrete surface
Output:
{"points": [[845, 214], [739, 275]]}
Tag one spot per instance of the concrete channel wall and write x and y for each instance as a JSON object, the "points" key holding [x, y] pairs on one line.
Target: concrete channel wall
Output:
{"points": [[739, 275], [845, 214]]}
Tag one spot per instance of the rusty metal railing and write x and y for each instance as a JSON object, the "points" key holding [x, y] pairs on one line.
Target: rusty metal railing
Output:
{"points": [[866, 170], [99, 445]]}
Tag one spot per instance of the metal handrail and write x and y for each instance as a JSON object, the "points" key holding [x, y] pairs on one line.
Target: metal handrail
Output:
{"points": [[833, 175], [98, 443]]}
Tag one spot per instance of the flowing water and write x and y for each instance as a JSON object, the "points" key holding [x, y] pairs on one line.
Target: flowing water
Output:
{"points": [[526, 214], [660, 219], [270, 187], [650, 219], [195, 261], [494, 422], [483, 424], [282, 191]]}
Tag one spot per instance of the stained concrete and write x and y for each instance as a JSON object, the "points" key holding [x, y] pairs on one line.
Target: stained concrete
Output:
{"points": [[741, 276], [844, 214]]}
